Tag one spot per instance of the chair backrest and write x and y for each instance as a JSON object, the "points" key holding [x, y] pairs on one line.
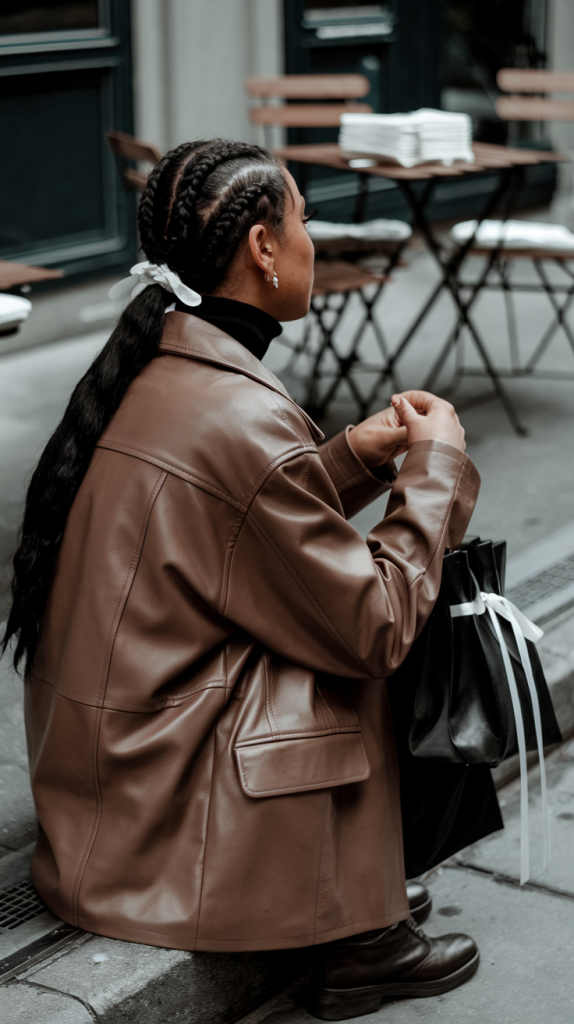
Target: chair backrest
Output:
{"points": [[307, 87], [534, 108], [126, 147], [122, 144]]}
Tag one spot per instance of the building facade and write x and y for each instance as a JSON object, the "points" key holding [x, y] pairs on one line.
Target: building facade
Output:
{"points": [[171, 70]]}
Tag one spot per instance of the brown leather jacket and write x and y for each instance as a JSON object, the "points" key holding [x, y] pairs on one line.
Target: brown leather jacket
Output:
{"points": [[211, 751]]}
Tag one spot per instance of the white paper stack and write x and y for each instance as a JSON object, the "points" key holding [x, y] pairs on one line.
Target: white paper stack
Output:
{"points": [[409, 139], [515, 234], [13, 311]]}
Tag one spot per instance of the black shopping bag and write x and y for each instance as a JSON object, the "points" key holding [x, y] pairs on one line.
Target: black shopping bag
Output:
{"points": [[467, 697], [464, 709]]}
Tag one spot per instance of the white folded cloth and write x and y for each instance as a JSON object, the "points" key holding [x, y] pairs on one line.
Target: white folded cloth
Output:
{"points": [[378, 230], [515, 234], [409, 139], [13, 310]]}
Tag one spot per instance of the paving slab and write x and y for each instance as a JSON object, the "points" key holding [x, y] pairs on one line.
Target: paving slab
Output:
{"points": [[101, 972], [121, 982], [525, 975], [26, 1004]]}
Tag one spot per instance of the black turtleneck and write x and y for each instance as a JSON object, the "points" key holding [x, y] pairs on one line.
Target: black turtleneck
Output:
{"points": [[251, 326]]}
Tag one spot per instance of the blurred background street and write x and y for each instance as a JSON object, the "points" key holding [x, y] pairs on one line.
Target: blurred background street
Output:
{"points": [[527, 483]]}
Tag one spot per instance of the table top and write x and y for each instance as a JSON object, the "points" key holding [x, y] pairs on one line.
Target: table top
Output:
{"points": [[487, 157], [14, 274]]}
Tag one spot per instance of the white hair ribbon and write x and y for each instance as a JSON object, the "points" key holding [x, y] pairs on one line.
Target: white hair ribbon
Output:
{"points": [[523, 630], [143, 274]]}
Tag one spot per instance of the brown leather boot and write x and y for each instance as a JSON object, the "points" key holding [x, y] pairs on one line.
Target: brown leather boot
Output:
{"points": [[420, 901], [359, 973]]}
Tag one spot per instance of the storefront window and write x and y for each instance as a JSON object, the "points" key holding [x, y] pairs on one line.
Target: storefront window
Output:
{"points": [[482, 36], [19, 17]]}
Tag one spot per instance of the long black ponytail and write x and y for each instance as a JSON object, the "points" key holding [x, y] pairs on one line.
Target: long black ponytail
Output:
{"points": [[198, 205]]}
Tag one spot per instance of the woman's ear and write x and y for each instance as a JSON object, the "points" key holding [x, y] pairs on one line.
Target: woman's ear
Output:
{"points": [[261, 247]]}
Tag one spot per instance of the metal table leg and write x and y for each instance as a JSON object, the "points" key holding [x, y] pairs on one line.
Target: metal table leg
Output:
{"points": [[451, 282]]}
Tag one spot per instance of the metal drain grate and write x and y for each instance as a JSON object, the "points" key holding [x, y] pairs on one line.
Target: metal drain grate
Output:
{"points": [[543, 584], [18, 904]]}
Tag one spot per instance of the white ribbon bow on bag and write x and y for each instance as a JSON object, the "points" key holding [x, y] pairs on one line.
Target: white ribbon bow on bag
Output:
{"points": [[146, 273], [523, 630]]}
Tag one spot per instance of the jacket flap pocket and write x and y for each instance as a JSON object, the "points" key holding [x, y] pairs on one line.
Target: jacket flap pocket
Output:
{"points": [[295, 766]]}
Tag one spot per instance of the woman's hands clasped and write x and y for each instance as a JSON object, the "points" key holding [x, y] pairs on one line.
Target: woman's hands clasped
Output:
{"points": [[412, 416]]}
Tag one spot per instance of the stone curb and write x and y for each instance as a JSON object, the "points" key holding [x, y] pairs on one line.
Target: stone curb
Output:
{"points": [[114, 982]]}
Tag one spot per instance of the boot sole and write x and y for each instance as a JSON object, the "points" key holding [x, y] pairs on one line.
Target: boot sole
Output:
{"points": [[421, 912], [345, 1003]]}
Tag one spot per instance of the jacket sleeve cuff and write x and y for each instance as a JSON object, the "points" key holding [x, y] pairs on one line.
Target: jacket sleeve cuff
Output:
{"points": [[424, 453], [356, 485]]}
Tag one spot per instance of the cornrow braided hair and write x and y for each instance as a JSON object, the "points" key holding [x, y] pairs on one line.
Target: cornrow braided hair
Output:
{"points": [[199, 204]]}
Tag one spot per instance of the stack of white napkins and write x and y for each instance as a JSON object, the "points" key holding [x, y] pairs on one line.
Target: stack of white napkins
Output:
{"points": [[13, 311], [515, 234], [409, 139], [370, 231]]}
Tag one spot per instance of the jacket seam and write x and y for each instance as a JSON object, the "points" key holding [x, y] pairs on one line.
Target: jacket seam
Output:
{"points": [[318, 884], [332, 628], [240, 519], [130, 575], [425, 568], [169, 467], [302, 734], [128, 582], [84, 857], [196, 481], [328, 709], [269, 696], [148, 709], [206, 831], [283, 414]]}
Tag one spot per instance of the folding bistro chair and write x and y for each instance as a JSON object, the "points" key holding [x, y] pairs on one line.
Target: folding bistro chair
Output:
{"points": [[337, 272], [502, 254]]}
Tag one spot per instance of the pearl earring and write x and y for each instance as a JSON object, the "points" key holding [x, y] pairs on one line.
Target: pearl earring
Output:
{"points": [[275, 280]]}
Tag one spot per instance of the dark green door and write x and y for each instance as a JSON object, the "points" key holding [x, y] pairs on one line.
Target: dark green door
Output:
{"points": [[65, 79]]}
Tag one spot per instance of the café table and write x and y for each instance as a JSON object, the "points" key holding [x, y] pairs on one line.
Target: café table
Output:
{"points": [[14, 275], [509, 164]]}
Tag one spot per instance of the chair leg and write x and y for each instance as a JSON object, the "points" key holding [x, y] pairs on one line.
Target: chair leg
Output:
{"points": [[442, 357], [347, 362], [313, 406], [558, 321], [503, 268], [299, 347]]}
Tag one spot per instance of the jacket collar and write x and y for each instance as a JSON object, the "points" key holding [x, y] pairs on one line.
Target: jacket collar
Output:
{"points": [[188, 336]]}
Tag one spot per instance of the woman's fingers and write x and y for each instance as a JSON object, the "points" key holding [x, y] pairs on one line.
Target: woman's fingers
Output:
{"points": [[420, 400], [404, 409], [428, 418]]}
